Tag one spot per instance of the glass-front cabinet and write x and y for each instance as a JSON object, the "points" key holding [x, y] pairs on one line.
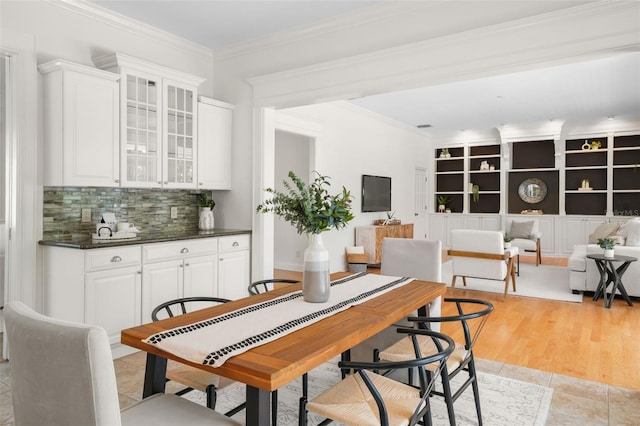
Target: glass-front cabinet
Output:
{"points": [[180, 144], [158, 123], [142, 136]]}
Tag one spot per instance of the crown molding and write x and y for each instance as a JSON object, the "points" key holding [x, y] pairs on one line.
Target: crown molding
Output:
{"points": [[61, 64], [132, 26], [384, 11], [114, 61], [342, 77]]}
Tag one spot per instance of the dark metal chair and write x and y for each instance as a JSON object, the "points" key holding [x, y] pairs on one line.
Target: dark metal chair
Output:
{"points": [[263, 286], [472, 323], [191, 377], [349, 401]]}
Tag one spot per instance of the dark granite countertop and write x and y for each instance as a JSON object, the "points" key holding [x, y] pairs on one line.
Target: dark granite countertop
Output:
{"points": [[86, 242]]}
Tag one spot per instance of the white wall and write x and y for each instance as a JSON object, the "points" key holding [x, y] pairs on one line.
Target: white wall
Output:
{"points": [[78, 34], [352, 142], [292, 153]]}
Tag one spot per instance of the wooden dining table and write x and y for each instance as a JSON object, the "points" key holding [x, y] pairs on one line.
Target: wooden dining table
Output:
{"points": [[267, 367]]}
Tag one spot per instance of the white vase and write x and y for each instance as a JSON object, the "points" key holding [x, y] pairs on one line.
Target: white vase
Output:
{"points": [[507, 244], [206, 219], [315, 276], [609, 253]]}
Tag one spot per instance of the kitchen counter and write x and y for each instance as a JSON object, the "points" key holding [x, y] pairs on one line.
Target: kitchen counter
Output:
{"points": [[85, 242]]}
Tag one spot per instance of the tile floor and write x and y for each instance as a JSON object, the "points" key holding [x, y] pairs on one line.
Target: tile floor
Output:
{"points": [[575, 402]]}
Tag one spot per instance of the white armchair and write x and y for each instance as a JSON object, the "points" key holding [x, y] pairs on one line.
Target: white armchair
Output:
{"points": [[526, 236], [481, 254]]}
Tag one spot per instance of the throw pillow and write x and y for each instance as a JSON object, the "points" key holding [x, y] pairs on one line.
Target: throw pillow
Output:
{"points": [[624, 228], [603, 230], [633, 233], [618, 240], [521, 229]]}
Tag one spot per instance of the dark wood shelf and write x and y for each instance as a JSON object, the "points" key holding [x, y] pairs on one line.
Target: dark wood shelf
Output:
{"points": [[533, 155], [484, 150], [587, 203], [597, 179], [486, 181], [456, 203], [626, 203], [630, 141], [450, 165], [487, 203], [450, 182], [576, 144]]}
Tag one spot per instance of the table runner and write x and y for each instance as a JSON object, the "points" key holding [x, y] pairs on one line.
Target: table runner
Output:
{"points": [[217, 339]]}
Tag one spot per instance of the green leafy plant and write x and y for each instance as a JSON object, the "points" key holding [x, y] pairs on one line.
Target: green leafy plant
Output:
{"points": [[443, 200], [310, 208], [475, 190], [205, 201], [507, 238], [606, 243]]}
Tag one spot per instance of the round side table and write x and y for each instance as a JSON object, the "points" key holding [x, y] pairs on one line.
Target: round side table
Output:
{"points": [[611, 275]]}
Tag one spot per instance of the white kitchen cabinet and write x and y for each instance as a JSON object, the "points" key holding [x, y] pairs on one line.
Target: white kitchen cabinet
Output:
{"points": [[576, 231], [178, 269], [81, 125], [158, 123], [215, 120], [112, 300], [441, 225], [99, 286], [484, 222], [234, 266]]}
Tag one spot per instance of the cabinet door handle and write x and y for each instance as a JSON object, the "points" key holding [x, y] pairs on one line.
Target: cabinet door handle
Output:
{"points": [[166, 182], [159, 182], [200, 183], [222, 259], [186, 264], [184, 250], [139, 272], [117, 181], [115, 259], [235, 244]]}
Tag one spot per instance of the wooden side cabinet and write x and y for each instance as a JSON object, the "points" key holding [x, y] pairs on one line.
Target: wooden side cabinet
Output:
{"points": [[371, 238]]}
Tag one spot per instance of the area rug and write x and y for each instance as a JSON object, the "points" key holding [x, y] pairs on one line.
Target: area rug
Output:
{"points": [[544, 282], [504, 401]]}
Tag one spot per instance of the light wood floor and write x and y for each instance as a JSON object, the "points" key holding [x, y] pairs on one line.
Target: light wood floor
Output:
{"points": [[586, 340]]}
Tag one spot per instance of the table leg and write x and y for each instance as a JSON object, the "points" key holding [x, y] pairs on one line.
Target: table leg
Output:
{"points": [[258, 406], [602, 285], [617, 285], [155, 375]]}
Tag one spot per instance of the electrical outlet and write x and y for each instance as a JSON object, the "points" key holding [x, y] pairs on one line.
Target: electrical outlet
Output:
{"points": [[174, 212], [86, 215]]}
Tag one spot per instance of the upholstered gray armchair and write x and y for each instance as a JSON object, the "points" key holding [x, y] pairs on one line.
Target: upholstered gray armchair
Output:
{"points": [[526, 236]]}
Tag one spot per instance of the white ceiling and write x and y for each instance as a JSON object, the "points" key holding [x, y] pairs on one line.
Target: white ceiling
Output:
{"points": [[581, 91]]}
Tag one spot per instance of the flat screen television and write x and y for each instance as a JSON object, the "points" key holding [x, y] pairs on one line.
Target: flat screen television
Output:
{"points": [[376, 193]]}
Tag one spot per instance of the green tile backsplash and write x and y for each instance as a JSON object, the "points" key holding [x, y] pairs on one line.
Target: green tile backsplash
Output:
{"points": [[147, 209]]}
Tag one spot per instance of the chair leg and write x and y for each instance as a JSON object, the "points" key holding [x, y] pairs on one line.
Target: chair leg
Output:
{"points": [[302, 412], [274, 407], [538, 253], [453, 281], [446, 388], [476, 392], [464, 281], [212, 397]]}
